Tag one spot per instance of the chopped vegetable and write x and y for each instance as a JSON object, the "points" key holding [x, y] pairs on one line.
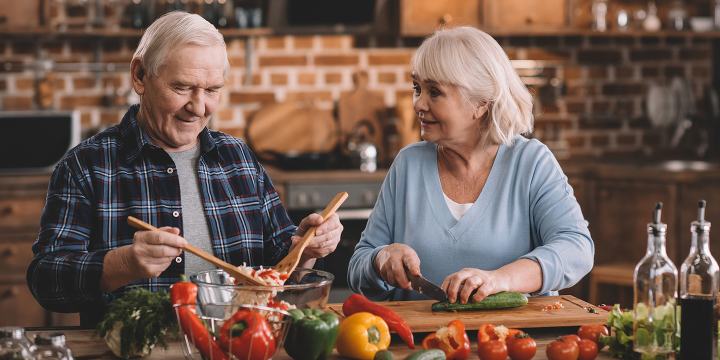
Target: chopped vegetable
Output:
{"points": [[620, 341], [452, 340]]}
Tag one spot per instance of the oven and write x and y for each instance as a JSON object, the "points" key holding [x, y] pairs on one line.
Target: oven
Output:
{"points": [[303, 198]]}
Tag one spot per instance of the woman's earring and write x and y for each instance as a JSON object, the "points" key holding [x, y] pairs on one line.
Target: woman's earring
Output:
{"points": [[421, 115]]}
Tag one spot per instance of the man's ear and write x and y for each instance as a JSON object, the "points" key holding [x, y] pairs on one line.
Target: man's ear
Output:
{"points": [[138, 76]]}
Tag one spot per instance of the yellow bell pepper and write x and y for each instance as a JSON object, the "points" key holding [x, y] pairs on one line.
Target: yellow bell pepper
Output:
{"points": [[361, 335]]}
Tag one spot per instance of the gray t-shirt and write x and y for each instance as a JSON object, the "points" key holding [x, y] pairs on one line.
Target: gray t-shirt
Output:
{"points": [[195, 225]]}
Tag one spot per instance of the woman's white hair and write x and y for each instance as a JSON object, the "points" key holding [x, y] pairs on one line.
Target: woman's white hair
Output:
{"points": [[472, 60], [171, 31]]}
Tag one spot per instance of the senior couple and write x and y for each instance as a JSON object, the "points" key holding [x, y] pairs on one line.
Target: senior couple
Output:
{"points": [[474, 206]]}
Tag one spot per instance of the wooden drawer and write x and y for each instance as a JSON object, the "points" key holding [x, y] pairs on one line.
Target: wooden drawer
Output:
{"points": [[21, 213], [15, 256], [18, 307]]}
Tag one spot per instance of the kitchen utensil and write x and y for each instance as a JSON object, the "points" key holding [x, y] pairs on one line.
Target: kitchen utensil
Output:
{"points": [[290, 261], [427, 288], [661, 106], [229, 268], [574, 312], [361, 104]]}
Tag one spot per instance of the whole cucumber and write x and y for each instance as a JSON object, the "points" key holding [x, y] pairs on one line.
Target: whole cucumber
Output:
{"points": [[501, 300], [383, 355], [432, 354]]}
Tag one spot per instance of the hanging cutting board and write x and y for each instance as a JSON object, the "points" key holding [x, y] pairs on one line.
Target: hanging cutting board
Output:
{"points": [[361, 104], [575, 312], [292, 127]]}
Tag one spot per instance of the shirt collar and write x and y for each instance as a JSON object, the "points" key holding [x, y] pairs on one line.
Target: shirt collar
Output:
{"points": [[135, 139]]}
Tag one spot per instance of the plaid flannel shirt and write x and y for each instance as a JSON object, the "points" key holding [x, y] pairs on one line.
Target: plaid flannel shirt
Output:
{"points": [[119, 173]]}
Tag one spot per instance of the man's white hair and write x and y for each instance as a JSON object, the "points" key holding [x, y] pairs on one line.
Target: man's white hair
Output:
{"points": [[172, 30], [472, 60]]}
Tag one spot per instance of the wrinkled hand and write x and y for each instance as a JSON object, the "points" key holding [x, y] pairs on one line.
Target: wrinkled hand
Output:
{"points": [[153, 251], [393, 261], [327, 235], [459, 285]]}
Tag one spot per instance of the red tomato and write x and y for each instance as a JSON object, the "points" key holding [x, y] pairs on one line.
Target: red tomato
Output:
{"points": [[588, 349], [592, 332], [573, 338], [493, 350], [563, 350], [521, 346]]}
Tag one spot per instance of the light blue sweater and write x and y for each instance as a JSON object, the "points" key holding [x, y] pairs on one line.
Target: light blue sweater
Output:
{"points": [[526, 210]]}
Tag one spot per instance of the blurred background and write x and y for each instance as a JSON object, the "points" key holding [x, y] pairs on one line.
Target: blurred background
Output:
{"points": [[625, 95]]}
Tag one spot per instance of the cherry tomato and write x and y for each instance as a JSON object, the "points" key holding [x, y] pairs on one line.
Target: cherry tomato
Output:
{"points": [[572, 337], [493, 350], [588, 349], [521, 346], [592, 332], [563, 350]]}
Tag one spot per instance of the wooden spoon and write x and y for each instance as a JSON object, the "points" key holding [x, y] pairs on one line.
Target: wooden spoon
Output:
{"points": [[290, 261], [229, 268]]}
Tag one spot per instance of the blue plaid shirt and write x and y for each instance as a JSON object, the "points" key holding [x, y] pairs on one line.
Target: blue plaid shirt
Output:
{"points": [[119, 173]]}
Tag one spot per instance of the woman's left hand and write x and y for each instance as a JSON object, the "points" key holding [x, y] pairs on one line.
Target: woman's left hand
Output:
{"points": [[459, 285]]}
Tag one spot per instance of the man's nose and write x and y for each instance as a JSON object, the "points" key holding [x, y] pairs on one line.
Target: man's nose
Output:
{"points": [[196, 104]]}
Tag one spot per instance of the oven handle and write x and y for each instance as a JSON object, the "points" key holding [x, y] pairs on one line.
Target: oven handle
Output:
{"points": [[354, 214]]}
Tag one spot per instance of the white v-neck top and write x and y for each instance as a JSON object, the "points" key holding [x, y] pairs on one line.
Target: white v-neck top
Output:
{"points": [[456, 209], [525, 210]]}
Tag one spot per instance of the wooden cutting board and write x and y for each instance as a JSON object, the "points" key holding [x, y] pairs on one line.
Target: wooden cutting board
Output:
{"points": [[574, 313]]}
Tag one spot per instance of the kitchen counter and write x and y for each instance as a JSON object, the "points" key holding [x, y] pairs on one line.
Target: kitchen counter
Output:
{"points": [[86, 345]]}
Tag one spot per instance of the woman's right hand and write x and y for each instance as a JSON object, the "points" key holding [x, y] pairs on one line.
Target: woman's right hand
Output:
{"points": [[394, 261]]}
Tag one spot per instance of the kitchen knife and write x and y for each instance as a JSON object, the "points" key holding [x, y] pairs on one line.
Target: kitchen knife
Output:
{"points": [[427, 288]]}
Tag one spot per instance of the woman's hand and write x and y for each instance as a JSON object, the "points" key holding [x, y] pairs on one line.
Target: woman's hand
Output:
{"points": [[459, 285], [392, 263]]}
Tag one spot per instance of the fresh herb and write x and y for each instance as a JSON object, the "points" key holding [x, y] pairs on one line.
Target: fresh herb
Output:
{"points": [[142, 318], [620, 340]]}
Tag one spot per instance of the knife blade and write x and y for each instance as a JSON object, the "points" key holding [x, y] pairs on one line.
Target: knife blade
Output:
{"points": [[427, 288]]}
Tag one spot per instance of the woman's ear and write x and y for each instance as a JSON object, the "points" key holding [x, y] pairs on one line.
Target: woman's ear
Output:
{"points": [[480, 111], [138, 76]]}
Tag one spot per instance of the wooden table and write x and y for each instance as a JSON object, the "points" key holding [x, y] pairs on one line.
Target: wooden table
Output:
{"points": [[86, 345]]}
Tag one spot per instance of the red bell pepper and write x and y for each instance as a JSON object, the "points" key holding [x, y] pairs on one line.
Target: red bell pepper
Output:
{"points": [[183, 295], [452, 340], [357, 303], [248, 335]]}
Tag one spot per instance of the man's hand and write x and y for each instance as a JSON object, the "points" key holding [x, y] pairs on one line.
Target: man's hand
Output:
{"points": [[392, 263], [149, 255], [327, 236]]}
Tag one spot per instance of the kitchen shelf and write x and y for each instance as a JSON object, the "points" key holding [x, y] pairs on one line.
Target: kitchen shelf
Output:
{"points": [[592, 33], [120, 33]]}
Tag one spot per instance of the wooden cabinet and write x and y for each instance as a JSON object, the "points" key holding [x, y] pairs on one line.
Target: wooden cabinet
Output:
{"points": [[525, 14], [422, 17], [21, 201]]}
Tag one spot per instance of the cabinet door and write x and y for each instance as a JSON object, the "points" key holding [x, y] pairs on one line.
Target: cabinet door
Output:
{"points": [[18, 307], [15, 254], [689, 196], [621, 213], [21, 213], [525, 14], [422, 17]]}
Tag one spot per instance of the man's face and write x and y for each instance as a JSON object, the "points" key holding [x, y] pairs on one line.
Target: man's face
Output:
{"points": [[177, 103]]}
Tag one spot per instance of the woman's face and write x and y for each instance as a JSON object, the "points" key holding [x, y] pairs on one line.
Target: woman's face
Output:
{"points": [[445, 116]]}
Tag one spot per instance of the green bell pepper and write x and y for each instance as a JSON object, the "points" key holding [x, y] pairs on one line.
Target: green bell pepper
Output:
{"points": [[312, 334]]}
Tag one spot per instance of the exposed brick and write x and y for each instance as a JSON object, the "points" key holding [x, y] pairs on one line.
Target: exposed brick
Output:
{"points": [[85, 119], [306, 78], [278, 79], [111, 44], [623, 89], [244, 97], [582, 90], [575, 141], [333, 42], [650, 71], [310, 95], [593, 121], [695, 54], [225, 114], [303, 42], [53, 46], [3, 85], [700, 71], [599, 140], [81, 83], [83, 46], [389, 58], [408, 77], [572, 72], [672, 70], [520, 41], [275, 42], [8, 66], [547, 54], [626, 140], [641, 122], [256, 79], [597, 72], [336, 60], [237, 61], [234, 45], [547, 41], [387, 78], [650, 138], [601, 107], [605, 57], [109, 117], [17, 102], [74, 101], [24, 84], [118, 58], [624, 72], [333, 78], [625, 107], [575, 106], [511, 53], [114, 81], [651, 55], [290, 60], [23, 47]]}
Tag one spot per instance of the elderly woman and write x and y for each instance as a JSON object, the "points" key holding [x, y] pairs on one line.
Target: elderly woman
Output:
{"points": [[475, 207]]}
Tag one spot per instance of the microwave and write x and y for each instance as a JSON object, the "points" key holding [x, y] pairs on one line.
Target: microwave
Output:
{"points": [[34, 141]]}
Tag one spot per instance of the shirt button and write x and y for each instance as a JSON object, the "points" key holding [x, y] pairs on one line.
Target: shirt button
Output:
{"points": [[176, 214], [178, 259], [170, 170]]}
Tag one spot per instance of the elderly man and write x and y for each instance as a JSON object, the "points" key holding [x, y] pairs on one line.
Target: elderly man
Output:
{"points": [[161, 164]]}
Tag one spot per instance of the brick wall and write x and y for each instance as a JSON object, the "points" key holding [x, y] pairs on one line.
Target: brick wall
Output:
{"points": [[590, 90]]}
